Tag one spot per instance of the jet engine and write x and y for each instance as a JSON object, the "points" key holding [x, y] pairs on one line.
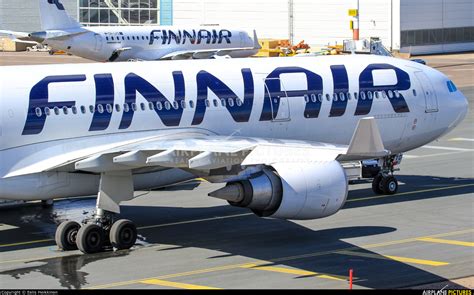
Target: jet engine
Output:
{"points": [[296, 191]]}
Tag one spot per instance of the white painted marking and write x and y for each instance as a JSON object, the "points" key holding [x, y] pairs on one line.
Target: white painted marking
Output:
{"points": [[446, 148], [4, 226], [410, 156], [461, 139]]}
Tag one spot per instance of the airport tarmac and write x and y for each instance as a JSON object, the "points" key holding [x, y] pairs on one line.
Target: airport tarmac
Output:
{"points": [[422, 235]]}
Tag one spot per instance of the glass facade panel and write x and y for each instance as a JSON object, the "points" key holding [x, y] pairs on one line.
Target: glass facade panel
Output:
{"points": [[118, 12]]}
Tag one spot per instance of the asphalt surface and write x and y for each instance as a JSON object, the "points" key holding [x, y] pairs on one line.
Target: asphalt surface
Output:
{"points": [[422, 235]]}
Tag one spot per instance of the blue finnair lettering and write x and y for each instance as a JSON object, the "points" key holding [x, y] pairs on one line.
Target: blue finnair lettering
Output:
{"points": [[39, 99], [170, 109], [57, 3], [194, 37], [104, 99], [366, 85], [239, 109], [169, 113], [274, 91]]}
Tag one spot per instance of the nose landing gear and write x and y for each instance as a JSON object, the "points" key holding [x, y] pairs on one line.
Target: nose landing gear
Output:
{"points": [[385, 183]]}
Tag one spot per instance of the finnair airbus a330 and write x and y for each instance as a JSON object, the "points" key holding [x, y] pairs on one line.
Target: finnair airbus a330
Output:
{"points": [[275, 130], [122, 43]]}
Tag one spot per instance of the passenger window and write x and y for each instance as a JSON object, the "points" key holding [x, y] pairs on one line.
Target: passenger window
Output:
{"points": [[47, 111], [208, 104], [56, 110], [83, 109], [349, 96], [356, 95], [328, 97], [100, 109], [369, 95], [223, 102], [91, 109], [142, 106], [390, 94], [397, 94], [306, 98], [167, 105], [238, 101], [159, 106], [117, 108], [183, 104], [231, 102], [175, 105], [313, 97], [362, 95], [191, 104], [320, 97], [107, 38], [151, 106], [334, 97], [38, 112], [384, 94], [414, 92], [128, 37], [65, 111], [126, 107], [74, 110], [342, 97], [134, 106], [215, 103], [376, 93]]}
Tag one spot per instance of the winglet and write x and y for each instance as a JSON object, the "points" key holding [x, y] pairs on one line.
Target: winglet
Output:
{"points": [[366, 142], [256, 44]]}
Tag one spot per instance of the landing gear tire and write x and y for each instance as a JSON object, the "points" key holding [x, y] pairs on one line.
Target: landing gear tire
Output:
{"points": [[389, 185], [123, 234], [66, 235], [90, 238], [377, 185]]}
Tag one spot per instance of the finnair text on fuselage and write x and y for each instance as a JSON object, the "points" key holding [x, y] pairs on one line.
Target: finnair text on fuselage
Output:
{"points": [[190, 36], [170, 109]]}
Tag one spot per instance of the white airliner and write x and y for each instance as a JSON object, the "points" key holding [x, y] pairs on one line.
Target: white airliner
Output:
{"points": [[275, 130], [122, 43]]}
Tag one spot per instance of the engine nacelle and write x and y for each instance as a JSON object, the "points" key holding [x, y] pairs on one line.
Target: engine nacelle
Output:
{"points": [[291, 191]]}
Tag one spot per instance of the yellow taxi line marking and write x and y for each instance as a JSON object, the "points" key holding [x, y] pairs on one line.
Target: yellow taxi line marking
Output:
{"points": [[461, 139], [177, 285], [443, 241], [26, 243], [249, 214], [396, 258], [281, 259], [411, 193], [298, 272]]}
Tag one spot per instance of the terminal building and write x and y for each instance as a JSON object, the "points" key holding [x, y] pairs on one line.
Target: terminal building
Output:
{"points": [[411, 26]]}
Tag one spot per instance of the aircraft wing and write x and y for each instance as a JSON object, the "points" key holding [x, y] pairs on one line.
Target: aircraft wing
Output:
{"points": [[209, 53], [201, 153]]}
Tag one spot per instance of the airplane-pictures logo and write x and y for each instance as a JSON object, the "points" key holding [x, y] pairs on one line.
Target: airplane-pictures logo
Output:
{"points": [[57, 3]]}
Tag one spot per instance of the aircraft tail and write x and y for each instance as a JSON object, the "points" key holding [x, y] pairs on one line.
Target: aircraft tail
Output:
{"points": [[54, 16]]}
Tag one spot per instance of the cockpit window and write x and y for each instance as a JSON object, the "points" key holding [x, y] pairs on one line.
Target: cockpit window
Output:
{"points": [[451, 86]]}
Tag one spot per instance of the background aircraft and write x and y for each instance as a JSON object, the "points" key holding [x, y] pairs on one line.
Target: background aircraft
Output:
{"points": [[275, 130], [122, 43]]}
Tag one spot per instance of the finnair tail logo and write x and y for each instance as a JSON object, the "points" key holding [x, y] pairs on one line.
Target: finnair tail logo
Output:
{"points": [[57, 3]]}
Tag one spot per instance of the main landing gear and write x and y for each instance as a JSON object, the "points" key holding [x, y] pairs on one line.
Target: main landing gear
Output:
{"points": [[385, 183], [96, 234], [101, 231]]}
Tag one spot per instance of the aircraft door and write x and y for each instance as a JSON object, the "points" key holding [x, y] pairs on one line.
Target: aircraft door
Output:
{"points": [[242, 39], [98, 42], [431, 101], [278, 99]]}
